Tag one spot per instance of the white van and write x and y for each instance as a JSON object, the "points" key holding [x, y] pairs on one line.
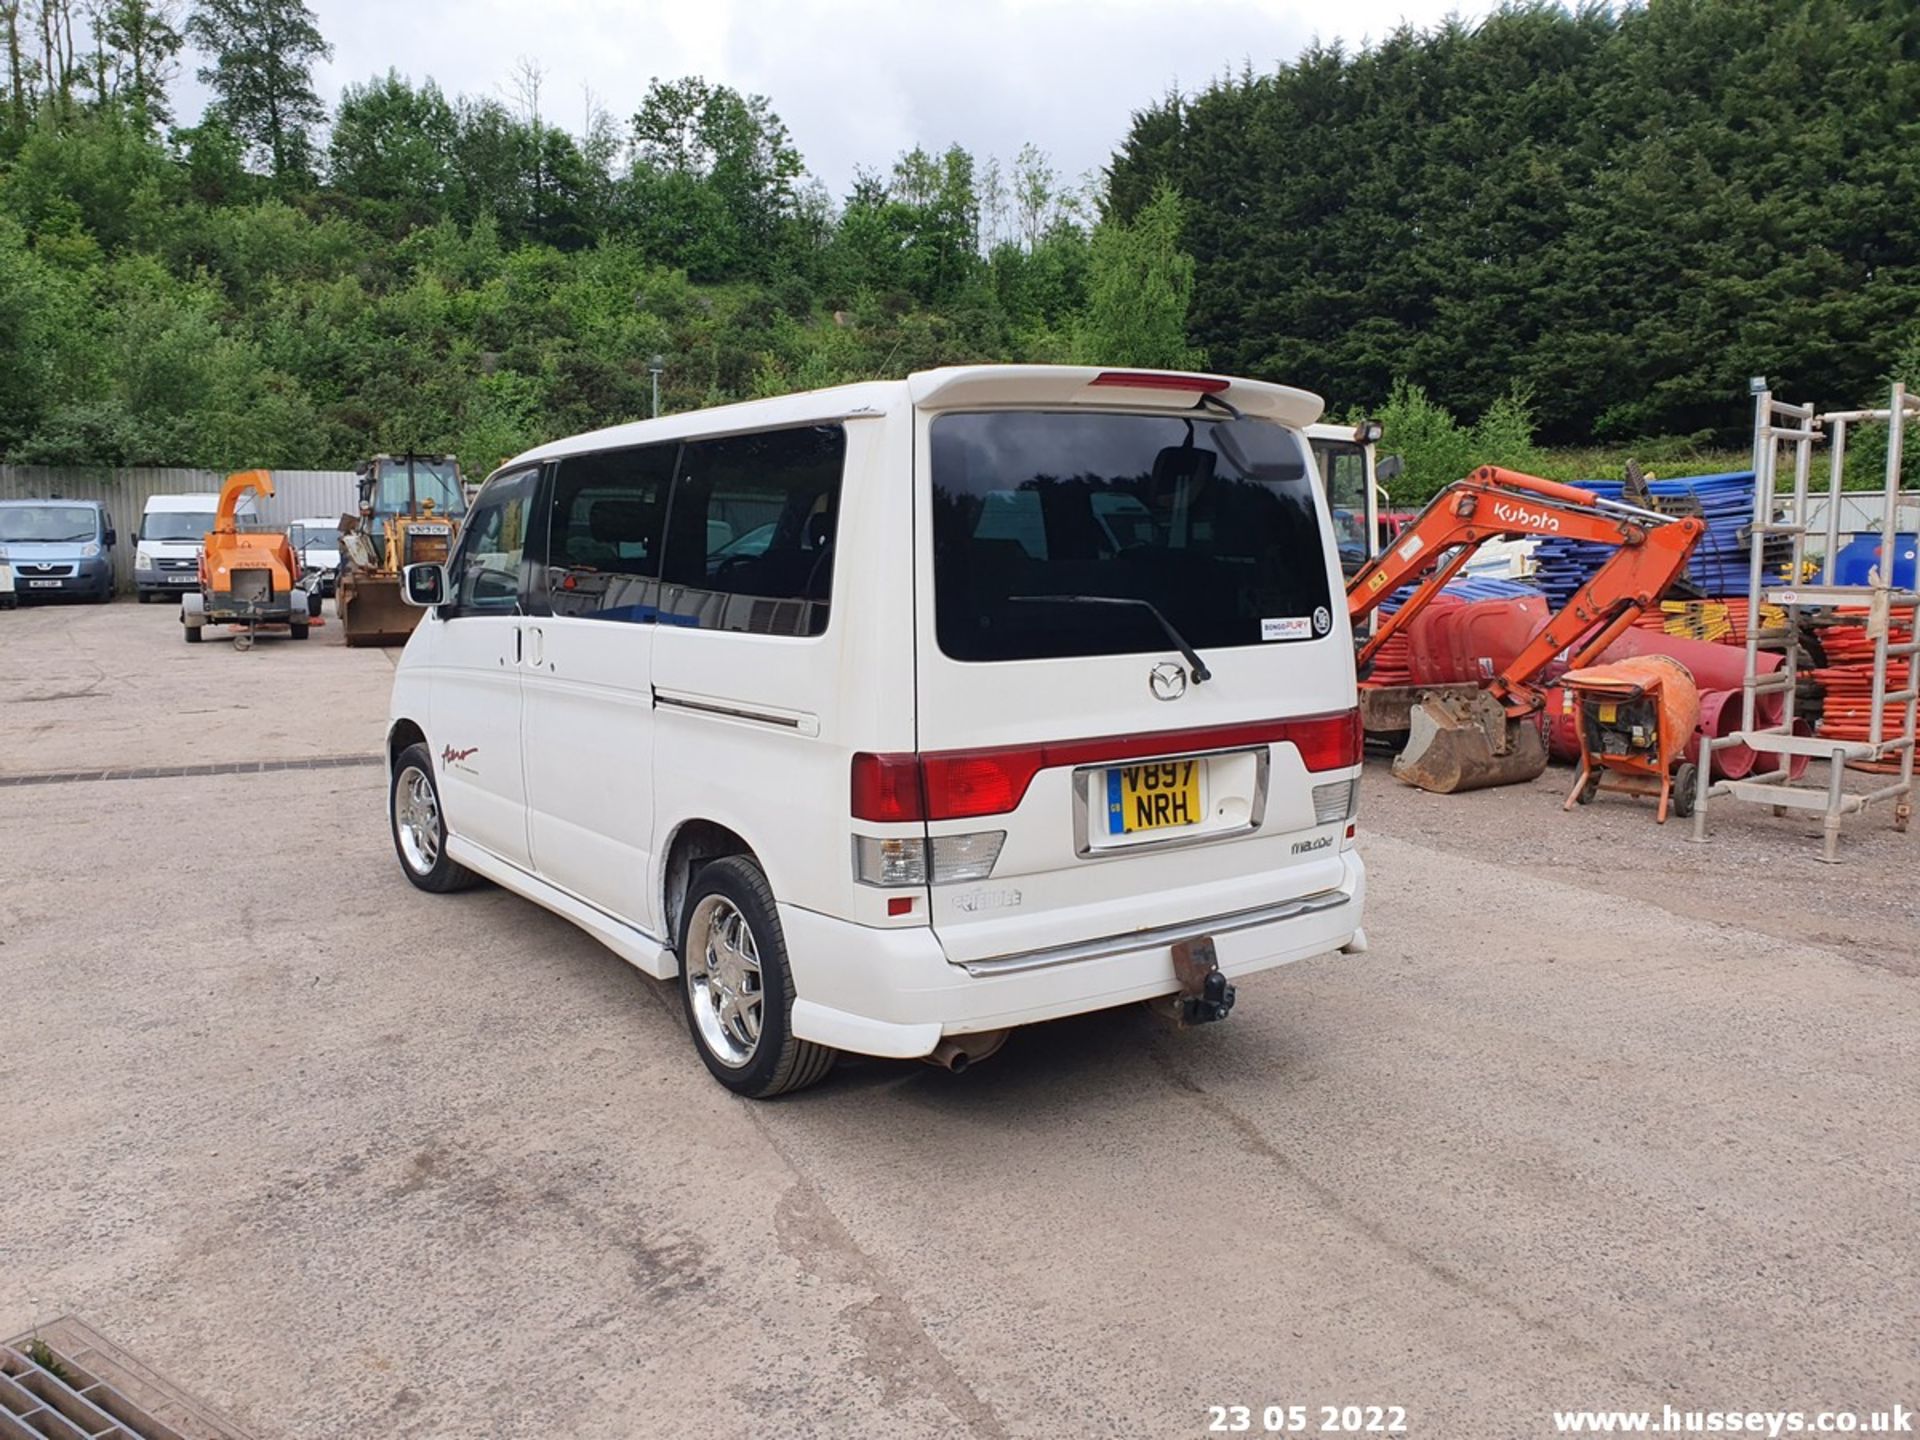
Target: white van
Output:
{"points": [[173, 528], [894, 716]]}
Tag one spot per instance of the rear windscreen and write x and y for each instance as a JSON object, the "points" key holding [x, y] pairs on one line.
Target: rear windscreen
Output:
{"points": [[1038, 514]]}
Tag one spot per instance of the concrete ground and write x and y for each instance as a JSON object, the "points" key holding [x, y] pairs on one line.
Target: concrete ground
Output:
{"points": [[1603, 1119]]}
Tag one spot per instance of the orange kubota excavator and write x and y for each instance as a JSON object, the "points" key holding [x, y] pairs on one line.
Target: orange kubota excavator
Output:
{"points": [[1468, 737]]}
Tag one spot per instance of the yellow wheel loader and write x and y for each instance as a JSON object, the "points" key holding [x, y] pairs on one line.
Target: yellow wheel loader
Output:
{"points": [[411, 507]]}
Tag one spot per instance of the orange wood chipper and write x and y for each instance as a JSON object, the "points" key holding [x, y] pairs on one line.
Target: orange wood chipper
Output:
{"points": [[249, 579]]}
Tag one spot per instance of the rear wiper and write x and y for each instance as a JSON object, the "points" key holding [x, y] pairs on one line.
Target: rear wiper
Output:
{"points": [[1200, 672]]}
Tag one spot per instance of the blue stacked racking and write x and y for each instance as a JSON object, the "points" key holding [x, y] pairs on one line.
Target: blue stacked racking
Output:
{"points": [[1718, 565]]}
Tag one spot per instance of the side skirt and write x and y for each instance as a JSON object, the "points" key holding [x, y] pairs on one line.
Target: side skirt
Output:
{"points": [[636, 947]]}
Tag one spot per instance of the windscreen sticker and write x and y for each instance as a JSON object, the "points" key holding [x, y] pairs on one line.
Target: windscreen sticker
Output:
{"points": [[1293, 627]]}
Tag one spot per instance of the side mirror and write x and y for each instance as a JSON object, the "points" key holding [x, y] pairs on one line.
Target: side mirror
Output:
{"points": [[1388, 468], [424, 585], [109, 537]]}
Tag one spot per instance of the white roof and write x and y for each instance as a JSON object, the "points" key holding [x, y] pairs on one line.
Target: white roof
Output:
{"points": [[955, 387], [163, 503]]}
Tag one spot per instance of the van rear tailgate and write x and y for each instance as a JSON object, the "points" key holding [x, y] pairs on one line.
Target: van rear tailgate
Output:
{"points": [[1131, 794]]}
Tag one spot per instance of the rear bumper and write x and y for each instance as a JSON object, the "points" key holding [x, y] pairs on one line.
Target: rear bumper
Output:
{"points": [[893, 992]]}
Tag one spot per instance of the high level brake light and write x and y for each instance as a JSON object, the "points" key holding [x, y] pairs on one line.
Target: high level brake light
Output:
{"points": [[1148, 380], [964, 784]]}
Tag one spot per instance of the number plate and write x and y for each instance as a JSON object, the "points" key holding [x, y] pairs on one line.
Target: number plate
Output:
{"points": [[43, 584], [1163, 795]]}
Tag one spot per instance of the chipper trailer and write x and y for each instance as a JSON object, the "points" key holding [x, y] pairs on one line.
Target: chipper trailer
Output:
{"points": [[248, 578]]}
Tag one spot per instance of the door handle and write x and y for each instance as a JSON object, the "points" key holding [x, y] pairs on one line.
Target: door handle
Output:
{"points": [[516, 644], [536, 646]]}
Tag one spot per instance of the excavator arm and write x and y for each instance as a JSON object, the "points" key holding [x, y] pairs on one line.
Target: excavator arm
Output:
{"points": [[1497, 504]]}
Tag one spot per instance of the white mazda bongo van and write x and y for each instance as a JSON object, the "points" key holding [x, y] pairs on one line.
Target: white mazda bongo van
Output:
{"points": [[890, 717]]}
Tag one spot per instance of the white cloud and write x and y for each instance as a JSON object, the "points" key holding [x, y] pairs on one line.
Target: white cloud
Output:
{"points": [[857, 81]]}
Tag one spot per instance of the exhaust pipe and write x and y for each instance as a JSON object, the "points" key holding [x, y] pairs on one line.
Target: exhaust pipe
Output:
{"points": [[957, 1052]]}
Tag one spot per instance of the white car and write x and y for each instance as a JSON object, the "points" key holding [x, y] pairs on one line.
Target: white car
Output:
{"points": [[317, 542], [1038, 699]]}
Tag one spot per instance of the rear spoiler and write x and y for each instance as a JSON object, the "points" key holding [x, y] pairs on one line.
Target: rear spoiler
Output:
{"points": [[978, 387]]}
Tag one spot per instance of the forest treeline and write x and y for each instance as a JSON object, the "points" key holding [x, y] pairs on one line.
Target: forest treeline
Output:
{"points": [[1603, 222], [277, 284], [1625, 214]]}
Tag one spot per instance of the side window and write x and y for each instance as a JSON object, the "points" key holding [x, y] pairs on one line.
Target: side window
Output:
{"points": [[751, 531], [486, 568], [603, 533]]}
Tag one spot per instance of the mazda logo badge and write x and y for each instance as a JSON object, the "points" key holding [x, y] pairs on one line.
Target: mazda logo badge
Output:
{"points": [[1167, 681]]}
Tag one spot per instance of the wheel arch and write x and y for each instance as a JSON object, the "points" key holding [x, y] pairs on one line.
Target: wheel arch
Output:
{"points": [[696, 841], [400, 735]]}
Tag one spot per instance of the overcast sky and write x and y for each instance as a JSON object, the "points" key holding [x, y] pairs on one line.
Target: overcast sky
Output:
{"points": [[857, 81]]}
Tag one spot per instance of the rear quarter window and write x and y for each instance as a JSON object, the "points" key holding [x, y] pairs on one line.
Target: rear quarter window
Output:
{"points": [[750, 532], [1211, 521]]}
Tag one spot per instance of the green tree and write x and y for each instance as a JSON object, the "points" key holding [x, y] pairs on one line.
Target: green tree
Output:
{"points": [[1139, 287], [721, 170], [141, 39], [262, 73], [394, 143], [20, 69]]}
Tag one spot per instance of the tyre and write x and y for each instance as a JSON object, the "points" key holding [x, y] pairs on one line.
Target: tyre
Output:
{"points": [[313, 602], [420, 826], [738, 988], [1685, 780], [193, 633], [145, 596], [1589, 790], [297, 628]]}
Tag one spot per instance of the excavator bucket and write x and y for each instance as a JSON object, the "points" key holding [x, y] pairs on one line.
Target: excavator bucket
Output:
{"points": [[371, 610], [1467, 742]]}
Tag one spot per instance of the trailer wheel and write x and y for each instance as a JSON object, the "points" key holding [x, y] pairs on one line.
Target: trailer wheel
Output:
{"points": [[193, 634], [296, 629]]}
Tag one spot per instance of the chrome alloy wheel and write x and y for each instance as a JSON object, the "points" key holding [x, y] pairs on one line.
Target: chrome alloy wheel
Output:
{"points": [[416, 820], [724, 981]]}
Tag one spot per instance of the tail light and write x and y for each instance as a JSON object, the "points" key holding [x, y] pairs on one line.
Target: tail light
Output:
{"points": [[943, 860], [1336, 800], [963, 784]]}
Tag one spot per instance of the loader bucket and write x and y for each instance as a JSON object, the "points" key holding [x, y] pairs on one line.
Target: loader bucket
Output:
{"points": [[372, 612], [1457, 743]]}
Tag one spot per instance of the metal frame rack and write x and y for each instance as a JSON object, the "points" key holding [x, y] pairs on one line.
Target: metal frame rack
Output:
{"points": [[1778, 425]]}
